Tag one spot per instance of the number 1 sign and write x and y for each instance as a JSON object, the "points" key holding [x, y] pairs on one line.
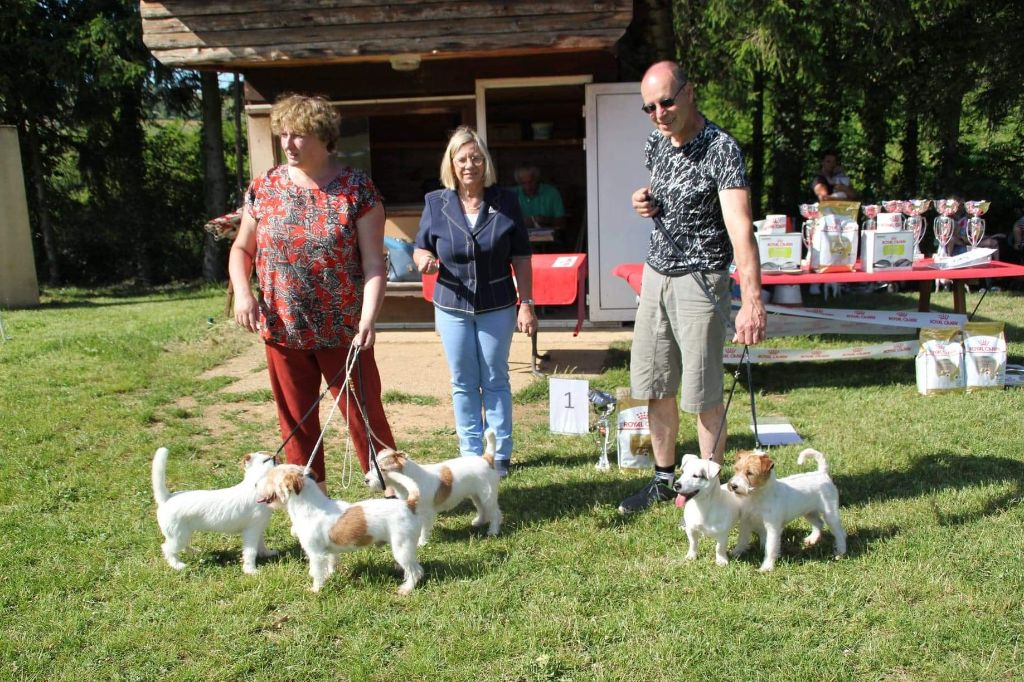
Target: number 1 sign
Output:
{"points": [[569, 405]]}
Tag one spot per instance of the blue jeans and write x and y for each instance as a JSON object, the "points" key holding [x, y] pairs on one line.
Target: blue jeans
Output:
{"points": [[477, 347]]}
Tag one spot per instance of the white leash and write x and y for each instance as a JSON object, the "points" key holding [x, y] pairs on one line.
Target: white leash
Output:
{"points": [[351, 362]]}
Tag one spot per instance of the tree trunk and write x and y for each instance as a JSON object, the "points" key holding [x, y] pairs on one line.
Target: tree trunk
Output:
{"points": [[787, 157], [948, 120], [239, 174], [215, 172], [757, 145], [873, 121], [42, 209], [911, 167], [661, 29]]}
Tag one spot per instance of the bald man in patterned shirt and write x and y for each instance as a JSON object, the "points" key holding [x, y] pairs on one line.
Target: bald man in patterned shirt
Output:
{"points": [[700, 193]]}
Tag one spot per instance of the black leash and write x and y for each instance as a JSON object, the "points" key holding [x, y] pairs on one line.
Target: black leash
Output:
{"points": [[366, 423], [362, 411], [745, 357], [312, 407]]}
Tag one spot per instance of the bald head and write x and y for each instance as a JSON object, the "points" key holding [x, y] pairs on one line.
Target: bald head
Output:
{"points": [[668, 100], [666, 70]]}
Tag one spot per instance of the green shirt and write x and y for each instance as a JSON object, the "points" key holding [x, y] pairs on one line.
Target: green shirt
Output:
{"points": [[546, 202]]}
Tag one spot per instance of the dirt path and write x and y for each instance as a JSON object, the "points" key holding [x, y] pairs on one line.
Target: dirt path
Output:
{"points": [[412, 362]]}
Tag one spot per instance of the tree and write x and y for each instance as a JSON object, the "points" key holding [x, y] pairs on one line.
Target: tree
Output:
{"points": [[215, 172]]}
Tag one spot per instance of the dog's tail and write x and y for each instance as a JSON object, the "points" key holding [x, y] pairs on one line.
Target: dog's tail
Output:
{"points": [[159, 474], [490, 446], [818, 457]]}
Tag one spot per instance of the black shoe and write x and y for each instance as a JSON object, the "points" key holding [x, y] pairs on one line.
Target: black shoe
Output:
{"points": [[502, 466], [653, 492]]}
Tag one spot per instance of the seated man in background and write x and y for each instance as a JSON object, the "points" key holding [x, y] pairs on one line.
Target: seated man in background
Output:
{"points": [[540, 202]]}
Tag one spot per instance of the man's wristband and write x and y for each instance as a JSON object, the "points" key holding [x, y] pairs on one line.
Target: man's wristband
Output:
{"points": [[526, 301]]}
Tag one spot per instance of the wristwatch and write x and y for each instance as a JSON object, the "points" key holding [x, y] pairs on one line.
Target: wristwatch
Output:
{"points": [[526, 301]]}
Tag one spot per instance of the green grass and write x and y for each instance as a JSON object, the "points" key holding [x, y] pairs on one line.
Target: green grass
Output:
{"points": [[92, 382]]}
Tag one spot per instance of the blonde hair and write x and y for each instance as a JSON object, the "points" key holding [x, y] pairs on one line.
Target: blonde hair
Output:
{"points": [[464, 135], [306, 115]]}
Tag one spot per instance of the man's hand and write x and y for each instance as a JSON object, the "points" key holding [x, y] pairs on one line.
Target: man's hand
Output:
{"points": [[643, 205], [751, 322]]}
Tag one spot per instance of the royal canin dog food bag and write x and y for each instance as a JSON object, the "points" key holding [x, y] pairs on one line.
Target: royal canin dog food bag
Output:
{"points": [[634, 432]]}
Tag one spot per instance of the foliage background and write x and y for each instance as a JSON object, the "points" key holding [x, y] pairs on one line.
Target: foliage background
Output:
{"points": [[920, 98]]}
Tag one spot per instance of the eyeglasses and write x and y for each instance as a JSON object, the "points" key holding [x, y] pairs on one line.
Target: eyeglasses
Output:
{"points": [[464, 161], [665, 103]]}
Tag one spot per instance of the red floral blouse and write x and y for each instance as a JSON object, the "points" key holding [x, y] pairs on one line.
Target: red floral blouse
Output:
{"points": [[307, 257]]}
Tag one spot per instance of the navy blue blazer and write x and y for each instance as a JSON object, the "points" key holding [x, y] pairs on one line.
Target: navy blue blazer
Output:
{"points": [[475, 270]]}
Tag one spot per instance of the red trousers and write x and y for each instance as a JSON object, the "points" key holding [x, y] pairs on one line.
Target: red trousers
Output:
{"points": [[295, 378]]}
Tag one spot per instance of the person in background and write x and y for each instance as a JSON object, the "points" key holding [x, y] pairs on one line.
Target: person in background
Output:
{"points": [[821, 188], [472, 235], [838, 180], [1017, 236], [540, 202], [314, 230], [700, 191]]}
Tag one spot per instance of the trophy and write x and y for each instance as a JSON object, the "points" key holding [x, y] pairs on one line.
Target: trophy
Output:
{"points": [[811, 214], [976, 225], [914, 208], [944, 224], [870, 212], [604, 405]]}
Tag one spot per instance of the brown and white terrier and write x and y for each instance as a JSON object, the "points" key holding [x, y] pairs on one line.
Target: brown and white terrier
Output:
{"points": [[326, 527], [768, 503], [444, 485]]}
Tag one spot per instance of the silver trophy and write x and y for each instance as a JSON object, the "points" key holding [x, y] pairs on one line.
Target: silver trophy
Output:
{"points": [[915, 210], [811, 213], [604, 405], [976, 225], [871, 212], [944, 225]]}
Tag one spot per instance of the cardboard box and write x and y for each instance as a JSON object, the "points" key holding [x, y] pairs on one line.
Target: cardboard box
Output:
{"points": [[889, 222], [774, 224], [884, 251], [780, 252]]}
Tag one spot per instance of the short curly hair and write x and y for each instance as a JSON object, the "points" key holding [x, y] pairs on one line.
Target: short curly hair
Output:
{"points": [[306, 115]]}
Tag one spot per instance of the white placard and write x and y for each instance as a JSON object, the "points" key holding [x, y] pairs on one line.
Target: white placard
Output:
{"points": [[776, 431], [564, 261], [569, 405]]}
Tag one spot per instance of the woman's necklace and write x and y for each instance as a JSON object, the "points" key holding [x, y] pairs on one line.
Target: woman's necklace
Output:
{"points": [[471, 204]]}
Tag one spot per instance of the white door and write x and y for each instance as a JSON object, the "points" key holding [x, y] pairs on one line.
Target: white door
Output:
{"points": [[616, 132]]}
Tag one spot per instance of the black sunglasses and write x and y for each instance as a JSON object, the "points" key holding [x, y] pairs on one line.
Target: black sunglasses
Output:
{"points": [[665, 103]]}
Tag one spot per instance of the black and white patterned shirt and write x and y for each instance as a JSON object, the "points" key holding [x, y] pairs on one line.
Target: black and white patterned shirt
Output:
{"points": [[685, 182]]}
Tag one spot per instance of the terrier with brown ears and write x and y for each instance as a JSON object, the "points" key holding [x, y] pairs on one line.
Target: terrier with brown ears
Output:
{"points": [[327, 527], [231, 510], [444, 485], [768, 503]]}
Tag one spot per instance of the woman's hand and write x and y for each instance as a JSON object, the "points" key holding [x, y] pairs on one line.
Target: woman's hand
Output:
{"points": [[247, 312], [365, 336], [426, 262], [526, 321]]}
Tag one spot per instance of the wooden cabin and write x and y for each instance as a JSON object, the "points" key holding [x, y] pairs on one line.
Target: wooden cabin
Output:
{"points": [[528, 74]]}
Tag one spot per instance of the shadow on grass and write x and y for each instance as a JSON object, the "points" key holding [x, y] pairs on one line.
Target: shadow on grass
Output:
{"points": [[936, 473], [858, 542], [847, 374]]}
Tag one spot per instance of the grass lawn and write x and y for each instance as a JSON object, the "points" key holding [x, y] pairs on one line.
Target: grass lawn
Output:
{"points": [[91, 384]]}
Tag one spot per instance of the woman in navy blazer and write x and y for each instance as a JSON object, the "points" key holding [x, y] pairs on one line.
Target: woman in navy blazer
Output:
{"points": [[472, 235]]}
